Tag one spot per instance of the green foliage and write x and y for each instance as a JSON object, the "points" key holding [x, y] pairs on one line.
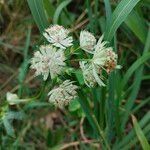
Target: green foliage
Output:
{"points": [[108, 112]]}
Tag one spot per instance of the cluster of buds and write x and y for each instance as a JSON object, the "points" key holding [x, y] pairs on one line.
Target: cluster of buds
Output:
{"points": [[50, 59]]}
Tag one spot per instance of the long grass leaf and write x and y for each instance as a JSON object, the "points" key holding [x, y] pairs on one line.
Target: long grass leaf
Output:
{"points": [[59, 10], [144, 143], [136, 24], [38, 13], [126, 140], [119, 15]]}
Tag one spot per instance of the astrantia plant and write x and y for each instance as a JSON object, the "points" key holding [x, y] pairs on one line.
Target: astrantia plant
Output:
{"points": [[69, 91], [50, 60]]}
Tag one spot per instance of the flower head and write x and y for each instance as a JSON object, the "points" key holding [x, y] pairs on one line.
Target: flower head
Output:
{"points": [[104, 58], [87, 41], [58, 36], [100, 55], [87, 70], [63, 94], [47, 61], [11, 98], [111, 60]]}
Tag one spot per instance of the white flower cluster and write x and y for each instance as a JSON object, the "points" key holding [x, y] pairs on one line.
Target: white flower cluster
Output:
{"points": [[49, 60], [58, 36], [104, 58], [63, 94]]}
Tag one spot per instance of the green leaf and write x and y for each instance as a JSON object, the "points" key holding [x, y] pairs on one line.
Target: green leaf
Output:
{"points": [[119, 15], [108, 10], [38, 13], [134, 67], [74, 105], [49, 8], [136, 24], [15, 115], [137, 80], [9, 129], [24, 66], [59, 10], [126, 143], [144, 143], [92, 119]]}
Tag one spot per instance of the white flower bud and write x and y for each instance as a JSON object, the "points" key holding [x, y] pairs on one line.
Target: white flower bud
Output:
{"points": [[87, 71], [87, 41], [63, 94]]}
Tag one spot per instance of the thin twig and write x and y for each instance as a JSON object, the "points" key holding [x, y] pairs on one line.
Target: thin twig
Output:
{"points": [[65, 146]]}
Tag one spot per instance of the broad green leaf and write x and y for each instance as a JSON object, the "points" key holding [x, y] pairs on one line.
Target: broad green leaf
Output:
{"points": [[38, 13], [119, 15], [144, 143], [74, 105]]}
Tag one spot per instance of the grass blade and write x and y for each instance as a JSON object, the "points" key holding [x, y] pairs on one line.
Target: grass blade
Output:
{"points": [[119, 15], [126, 140], [59, 10], [136, 24], [140, 134], [38, 13], [25, 64]]}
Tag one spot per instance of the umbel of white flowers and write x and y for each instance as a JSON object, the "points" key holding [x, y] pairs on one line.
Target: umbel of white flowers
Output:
{"points": [[104, 58], [58, 36], [63, 94], [48, 60]]}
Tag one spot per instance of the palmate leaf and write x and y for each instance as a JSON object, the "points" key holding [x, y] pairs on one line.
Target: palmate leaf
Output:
{"points": [[119, 15]]}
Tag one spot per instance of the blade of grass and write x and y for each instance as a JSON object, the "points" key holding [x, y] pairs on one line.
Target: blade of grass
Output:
{"points": [[90, 13], [136, 84], [134, 67], [136, 24], [143, 103], [111, 105], [25, 64], [126, 140], [134, 140], [49, 8], [140, 134], [92, 119], [119, 15], [59, 10], [38, 13]]}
